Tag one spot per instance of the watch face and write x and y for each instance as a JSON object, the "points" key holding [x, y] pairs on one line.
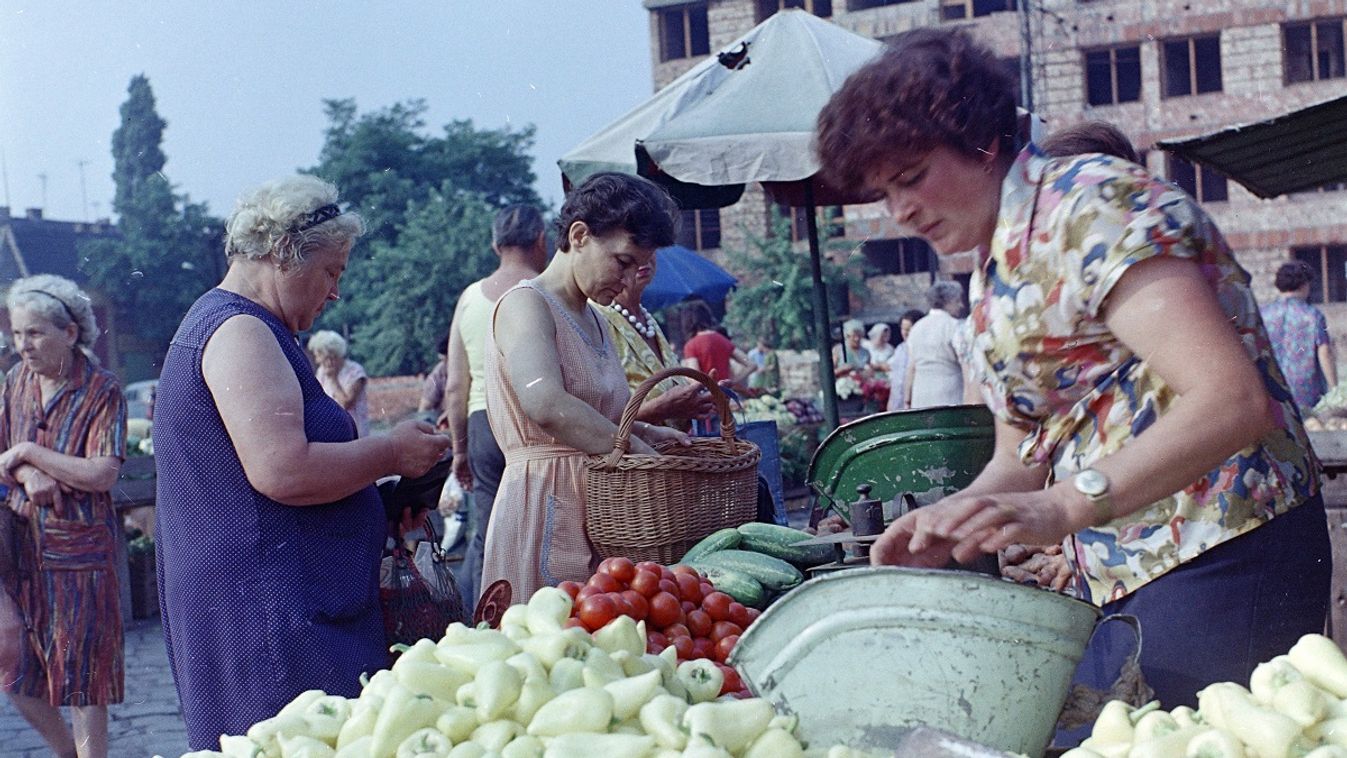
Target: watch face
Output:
{"points": [[1091, 482]]}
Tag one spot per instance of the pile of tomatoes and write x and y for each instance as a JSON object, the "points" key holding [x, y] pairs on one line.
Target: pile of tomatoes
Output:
{"points": [[681, 609]]}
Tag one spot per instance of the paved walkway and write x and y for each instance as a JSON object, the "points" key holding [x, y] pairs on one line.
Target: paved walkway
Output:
{"points": [[145, 724]]}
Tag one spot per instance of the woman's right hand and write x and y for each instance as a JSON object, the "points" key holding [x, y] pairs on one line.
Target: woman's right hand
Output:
{"points": [[683, 401], [418, 447], [42, 490]]}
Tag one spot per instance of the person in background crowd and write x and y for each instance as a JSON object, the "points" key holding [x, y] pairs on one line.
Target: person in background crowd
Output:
{"points": [[432, 388], [342, 379], [850, 357], [1141, 417], [1299, 334], [1090, 137], [767, 375], [711, 352], [881, 350], [898, 362], [519, 239], [269, 531], [934, 373], [555, 387], [643, 350], [63, 431]]}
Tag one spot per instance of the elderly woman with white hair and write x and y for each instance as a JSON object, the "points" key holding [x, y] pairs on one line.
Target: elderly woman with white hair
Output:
{"points": [[934, 371], [269, 530], [343, 379], [881, 349], [63, 429], [850, 357]]}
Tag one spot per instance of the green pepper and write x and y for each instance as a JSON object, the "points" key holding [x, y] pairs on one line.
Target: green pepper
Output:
{"points": [[579, 710], [266, 732], [1216, 743], [661, 718], [301, 702], [431, 678], [566, 675], [305, 747], [523, 746], [497, 689], [701, 679], [600, 668], [471, 656], [1322, 662], [527, 665], [361, 721], [1113, 725], [729, 724], [404, 712], [356, 749], [495, 735], [620, 634], [326, 716], [467, 749], [592, 744], [240, 747], [700, 748], [532, 695], [1302, 701], [632, 665], [548, 609], [515, 615], [425, 743], [1231, 707], [457, 722], [551, 647], [632, 692], [775, 743]]}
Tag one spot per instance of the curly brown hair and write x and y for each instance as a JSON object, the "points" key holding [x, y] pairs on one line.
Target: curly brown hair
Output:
{"points": [[929, 87]]}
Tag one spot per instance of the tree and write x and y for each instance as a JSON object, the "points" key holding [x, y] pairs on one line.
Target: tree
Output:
{"points": [[445, 245], [778, 301], [168, 252], [426, 200]]}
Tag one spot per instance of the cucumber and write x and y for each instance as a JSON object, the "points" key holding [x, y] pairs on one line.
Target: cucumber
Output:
{"points": [[736, 584], [721, 539], [779, 542], [773, 573]]}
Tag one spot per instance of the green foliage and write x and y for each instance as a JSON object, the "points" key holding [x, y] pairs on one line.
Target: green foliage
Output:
{"points": [[778, 303], [445, 245], [428, 202], [169, 248]]}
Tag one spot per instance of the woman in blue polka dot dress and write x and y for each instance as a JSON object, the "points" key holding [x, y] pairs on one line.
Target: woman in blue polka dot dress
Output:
{"points": [[269, 529]]}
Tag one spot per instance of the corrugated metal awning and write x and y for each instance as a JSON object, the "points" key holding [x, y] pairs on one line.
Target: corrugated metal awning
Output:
{"points": [[652, 5], [1297, 151]]}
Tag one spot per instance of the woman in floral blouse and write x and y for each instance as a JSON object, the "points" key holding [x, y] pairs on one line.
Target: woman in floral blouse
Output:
{"points": [[1141, 417]]}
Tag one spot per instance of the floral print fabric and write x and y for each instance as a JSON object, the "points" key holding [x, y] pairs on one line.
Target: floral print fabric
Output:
{"points": [[1297, 329], [1068, 230]]}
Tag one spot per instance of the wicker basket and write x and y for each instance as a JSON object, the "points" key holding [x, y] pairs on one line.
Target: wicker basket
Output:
{"points": [[655, 507]]}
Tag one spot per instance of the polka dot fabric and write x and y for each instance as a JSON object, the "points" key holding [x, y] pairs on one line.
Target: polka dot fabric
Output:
{"points": [[260, 600]]}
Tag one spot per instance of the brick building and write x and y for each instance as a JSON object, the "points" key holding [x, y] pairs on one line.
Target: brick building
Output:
{"points": [[1159, 69]]}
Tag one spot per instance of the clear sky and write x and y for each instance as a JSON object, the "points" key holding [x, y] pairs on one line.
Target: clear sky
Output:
{"points": [[241, 83]]}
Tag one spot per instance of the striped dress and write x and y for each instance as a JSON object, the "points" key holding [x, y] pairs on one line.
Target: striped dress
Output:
{"points": [[67, 584]]}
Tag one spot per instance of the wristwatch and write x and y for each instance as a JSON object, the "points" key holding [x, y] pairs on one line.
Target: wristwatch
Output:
{"points": [[1094, 486]]}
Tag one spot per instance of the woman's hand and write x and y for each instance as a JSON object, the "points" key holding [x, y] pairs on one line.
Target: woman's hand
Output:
{"points": [[657, 435], [43, 491], [418, 447], [683, 401], [961, 527], [1044, 566]]}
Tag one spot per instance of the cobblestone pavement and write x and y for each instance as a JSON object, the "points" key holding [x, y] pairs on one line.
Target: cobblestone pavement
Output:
{"points": [[146, 723]]}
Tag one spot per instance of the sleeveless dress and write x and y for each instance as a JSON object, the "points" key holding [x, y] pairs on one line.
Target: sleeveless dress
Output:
{"points": [[260, 600], [537, 532]]}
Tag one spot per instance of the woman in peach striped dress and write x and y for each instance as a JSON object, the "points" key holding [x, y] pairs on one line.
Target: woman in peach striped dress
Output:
{"points": [[555, 385]]}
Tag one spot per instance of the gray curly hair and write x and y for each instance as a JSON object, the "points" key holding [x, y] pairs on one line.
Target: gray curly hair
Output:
{"points": [[58, 300], [327, 342], [944, 294], [286, 219]]}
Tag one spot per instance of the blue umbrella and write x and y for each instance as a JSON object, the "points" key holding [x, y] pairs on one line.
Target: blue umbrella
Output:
{"points": [[680, 274]]}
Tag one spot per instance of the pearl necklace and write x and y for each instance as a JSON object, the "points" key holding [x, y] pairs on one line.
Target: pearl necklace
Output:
{"points": [[646, 328]]}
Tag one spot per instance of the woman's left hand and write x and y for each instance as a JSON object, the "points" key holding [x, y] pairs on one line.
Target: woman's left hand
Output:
{"points": [[13, 458], [656, 435], [962, 527], [43, 491]]}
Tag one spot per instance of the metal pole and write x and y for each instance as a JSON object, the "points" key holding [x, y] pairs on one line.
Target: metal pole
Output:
{"points": [[822, 330], [1026, 59]]}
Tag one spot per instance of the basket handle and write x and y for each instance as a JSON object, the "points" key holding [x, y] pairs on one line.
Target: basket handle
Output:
{"points": [[624, 426]]}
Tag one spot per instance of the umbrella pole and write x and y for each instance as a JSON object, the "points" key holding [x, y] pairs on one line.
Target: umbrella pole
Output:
{"points": [[822, 332]]}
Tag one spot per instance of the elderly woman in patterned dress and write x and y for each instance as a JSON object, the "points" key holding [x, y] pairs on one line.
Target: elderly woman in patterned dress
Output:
{"points": [[63, 428], [1141, 416]]}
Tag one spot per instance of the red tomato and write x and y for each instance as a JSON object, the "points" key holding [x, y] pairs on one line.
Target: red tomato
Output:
{"points": [[718, 605], [739, 614], [683, 568], [623, 605], [570, 588], [645, 582], [699, 623], [605, 582], [683, 645], [657, 638], [707, 588], [573, 622], [597, 610], [666, 573], [733, 682], [702, 647], [723, 648], [621, 569], [588, 590], [724, 629], [689, 588], [669, 586], [688, 606], [676, 630], [753, 614], [664, 610], [650, 566], [639, 605]]}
